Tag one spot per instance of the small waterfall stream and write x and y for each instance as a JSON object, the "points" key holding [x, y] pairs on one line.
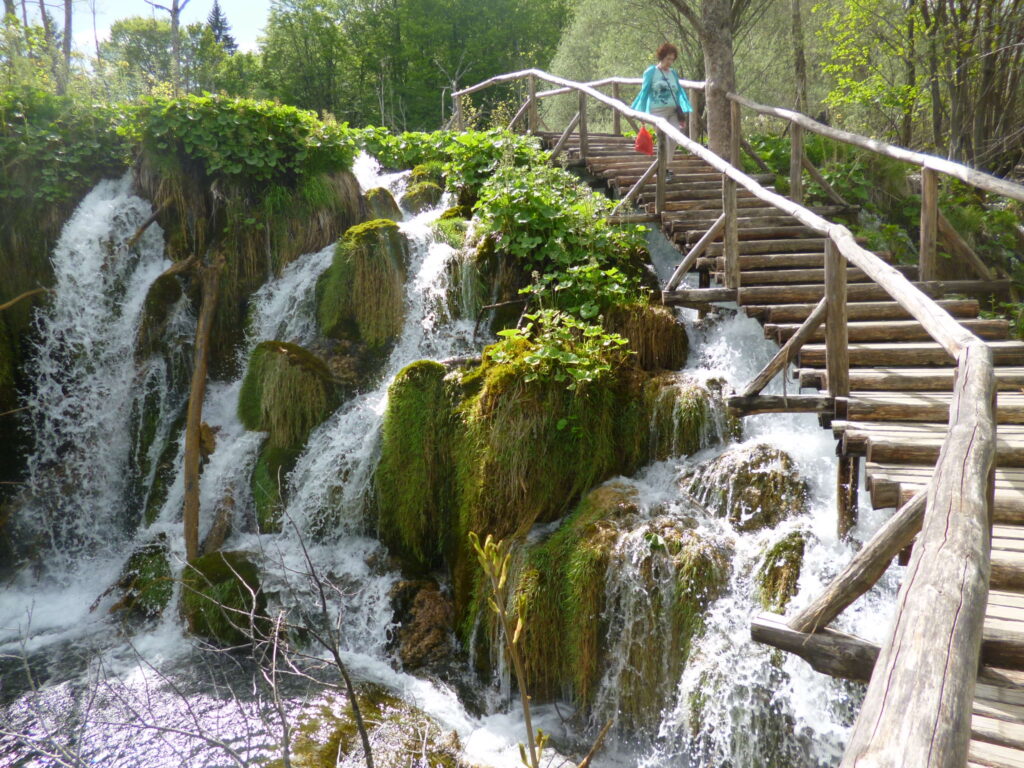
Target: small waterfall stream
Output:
{"points": [[752, 704]]}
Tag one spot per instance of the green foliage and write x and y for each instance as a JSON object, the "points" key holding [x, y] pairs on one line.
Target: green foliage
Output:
{"points": [[243, 140], [222, 600], [413, 476], [451, 231], [555, 346], [53, 149], [145, 583]]}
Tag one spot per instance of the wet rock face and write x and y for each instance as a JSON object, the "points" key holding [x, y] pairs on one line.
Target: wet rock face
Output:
{"points": [[754, 486], [380, 204], [425, 616]]}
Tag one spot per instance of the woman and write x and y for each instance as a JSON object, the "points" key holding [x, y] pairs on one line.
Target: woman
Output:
{"points": [[662, 94]]}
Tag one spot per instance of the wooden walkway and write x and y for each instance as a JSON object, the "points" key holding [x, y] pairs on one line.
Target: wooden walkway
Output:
{"points": [[895, 418]]}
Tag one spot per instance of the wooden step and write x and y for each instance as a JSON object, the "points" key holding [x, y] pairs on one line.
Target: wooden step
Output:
{"points": [[710, 203], [802, 294], [855, 310], [760, 210], [889, 330], [781, 245], [890, 485], [919, 406], [767, 261], [919, 443], [691, 236], [915, 353], [689, 196], [920, 379], [785, 276]]}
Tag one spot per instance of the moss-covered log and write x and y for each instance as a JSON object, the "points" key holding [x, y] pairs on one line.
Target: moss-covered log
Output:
{"points": [[361, 295]]}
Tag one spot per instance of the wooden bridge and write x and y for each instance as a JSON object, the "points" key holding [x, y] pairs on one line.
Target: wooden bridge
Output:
{"points": [[923, 395]]}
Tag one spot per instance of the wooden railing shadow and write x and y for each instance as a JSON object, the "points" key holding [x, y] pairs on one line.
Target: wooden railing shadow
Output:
{"points": [[917, 709]]}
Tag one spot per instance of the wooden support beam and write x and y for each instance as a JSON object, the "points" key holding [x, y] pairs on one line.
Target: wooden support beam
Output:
{"points": [[917, 710], [460, 124], [789, 349], [663, 158], [616, 115], [751, 405], [697, 296], [560, 144], [695, 95], [960, 247], [752, 153], [847, 480], [796, 164], [583, 132], [522, 110], [865, 569], [836, 336], [829, 190], [827, 651], [533, 119], [687, 263], [928, 253], [635, 189], [735, 134], [730, 240]]}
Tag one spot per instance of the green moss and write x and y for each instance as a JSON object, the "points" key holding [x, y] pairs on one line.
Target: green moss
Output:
{"points": [[430, 171], [451, 231], [145, 583], [287, 391], [458, 212], [413, 476], [380, 204], [326, 734], [422, 195], [156, 313], [220, 592], [658, 339], [754, 486], [361, 295], [685, 415], [267, 485], [776, 578]]}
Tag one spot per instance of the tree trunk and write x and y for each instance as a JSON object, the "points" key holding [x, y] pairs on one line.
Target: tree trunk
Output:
{"points": [[209, 278], [10, 9], [716, 40], [907, 129], [799, 60], [65, 69]]}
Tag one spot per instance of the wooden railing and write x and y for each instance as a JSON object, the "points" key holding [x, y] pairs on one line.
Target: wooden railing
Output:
{"points": [[917, 709]]}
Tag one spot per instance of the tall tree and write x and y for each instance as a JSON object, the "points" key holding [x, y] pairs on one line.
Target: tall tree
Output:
{"points": [[218, 24], [177, 6], [65, 68], [799, 60], [10, 9]]}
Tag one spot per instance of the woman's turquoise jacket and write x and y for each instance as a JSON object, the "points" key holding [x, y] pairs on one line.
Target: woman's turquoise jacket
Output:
{"points": [[643, 99]]}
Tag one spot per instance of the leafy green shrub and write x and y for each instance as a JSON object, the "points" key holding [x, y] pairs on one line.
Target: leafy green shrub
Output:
{"points": [[244, 139]]}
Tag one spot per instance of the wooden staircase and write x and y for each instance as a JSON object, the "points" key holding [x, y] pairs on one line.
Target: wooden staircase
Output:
{"points": [[895, 417]]}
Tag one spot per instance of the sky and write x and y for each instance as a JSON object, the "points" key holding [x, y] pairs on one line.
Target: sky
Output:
{"points": [[246, 17]]}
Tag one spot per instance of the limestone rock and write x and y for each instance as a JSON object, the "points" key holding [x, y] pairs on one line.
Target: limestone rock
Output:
{"points": [[425, 616]]}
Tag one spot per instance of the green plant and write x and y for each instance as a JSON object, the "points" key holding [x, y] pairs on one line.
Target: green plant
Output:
{"points": [[555, 345]]}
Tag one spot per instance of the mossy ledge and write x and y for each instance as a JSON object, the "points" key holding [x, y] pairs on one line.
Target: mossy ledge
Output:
{"points": [[222, 600], [287, 392], [779, 573], [360, 297], [658, 339], [685, 415], [421, 195]]}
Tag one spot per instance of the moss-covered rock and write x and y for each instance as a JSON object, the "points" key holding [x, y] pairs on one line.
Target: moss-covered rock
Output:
{"points": [[421, 195], [326, 734], [413, 477], [380, 204], [145, 585], [425, 618], [222, 600], [754, 486], [161, 297], [451, 231], [287, 391], [360, 297], [779, 573], [430, 171], [685, 415], [658, 339]]}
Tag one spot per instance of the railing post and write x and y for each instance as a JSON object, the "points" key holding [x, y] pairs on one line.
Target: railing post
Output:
{"points": [[616, 117], [730, 235], [659, 195], [837, 354], [927, 260], [457, 108], [735, 134], [583, 125], [694, 95], [532, 118], [796, 163]]}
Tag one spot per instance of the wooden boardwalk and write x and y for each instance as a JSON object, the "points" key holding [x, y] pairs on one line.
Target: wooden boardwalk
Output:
{"points": [[895, 418]]}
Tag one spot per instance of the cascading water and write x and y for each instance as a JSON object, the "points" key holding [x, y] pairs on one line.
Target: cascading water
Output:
{"points": [[734, 702]]}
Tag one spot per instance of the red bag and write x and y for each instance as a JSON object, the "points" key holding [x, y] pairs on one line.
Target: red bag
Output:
{"points": [[644, 143]]}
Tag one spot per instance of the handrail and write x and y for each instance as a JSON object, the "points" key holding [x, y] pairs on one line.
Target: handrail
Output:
{"points": [[976, 178], [697, 85], [918, 705]]}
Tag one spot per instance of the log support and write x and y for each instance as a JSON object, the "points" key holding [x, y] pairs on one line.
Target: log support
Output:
{"points": [[583, 126], [533, 116], [691, 258], [789, 350], [928, 255], [635, 189], [796, 164], [616, 115], [847, 482], [755, 404], [837, 353], [730, 241], [663, 158], [560, 144]]}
